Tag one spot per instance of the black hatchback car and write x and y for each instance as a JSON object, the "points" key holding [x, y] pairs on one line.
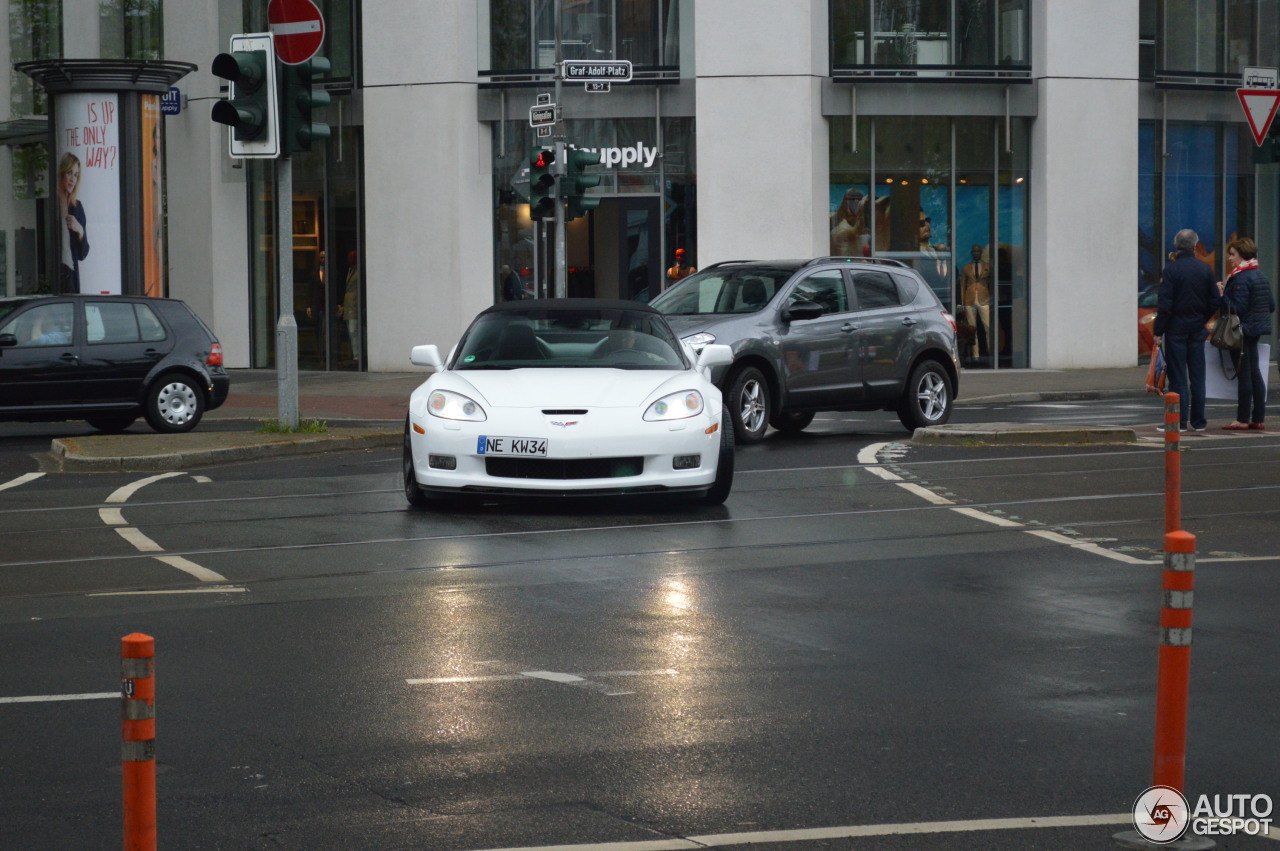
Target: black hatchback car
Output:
{"points": [[108, 360], [827, 334]]}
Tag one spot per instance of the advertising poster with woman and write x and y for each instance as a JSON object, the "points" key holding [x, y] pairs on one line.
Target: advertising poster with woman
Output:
{"points": [[88, 192], [152, 198]]}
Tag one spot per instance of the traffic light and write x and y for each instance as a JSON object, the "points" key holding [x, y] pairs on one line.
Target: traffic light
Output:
{"points": [[250, 107], [542, 184], [576, 183], [299, 95]]}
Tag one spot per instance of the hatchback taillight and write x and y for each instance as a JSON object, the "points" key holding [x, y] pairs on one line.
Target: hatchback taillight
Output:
{"points": [[951, 320], [215, 355]]}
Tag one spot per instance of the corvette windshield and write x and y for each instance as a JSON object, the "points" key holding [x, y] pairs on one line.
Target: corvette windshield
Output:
{"points": [[580, 338], [736, 289]]}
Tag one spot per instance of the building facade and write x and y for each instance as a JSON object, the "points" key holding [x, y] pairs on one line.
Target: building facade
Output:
{"points": [[1032, 158]]}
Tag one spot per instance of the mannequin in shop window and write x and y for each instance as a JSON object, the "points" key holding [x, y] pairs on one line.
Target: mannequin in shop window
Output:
{"points": [[975, 300]]}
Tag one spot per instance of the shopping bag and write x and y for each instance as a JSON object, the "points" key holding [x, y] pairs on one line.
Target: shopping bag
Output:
{"points": [[1156, 373], [1220, 371]]}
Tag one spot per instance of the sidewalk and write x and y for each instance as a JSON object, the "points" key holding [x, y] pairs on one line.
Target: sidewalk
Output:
{"points": [[368, 409]]}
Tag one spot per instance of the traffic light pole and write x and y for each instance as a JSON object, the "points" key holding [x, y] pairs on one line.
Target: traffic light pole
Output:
{"points": [[286, 326], [562, 286]]}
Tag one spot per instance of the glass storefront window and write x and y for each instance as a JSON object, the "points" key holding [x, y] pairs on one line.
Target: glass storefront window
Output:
{"points": [[519, 35], [942, 196], [939, 33], [130, 29], [35, 32]]}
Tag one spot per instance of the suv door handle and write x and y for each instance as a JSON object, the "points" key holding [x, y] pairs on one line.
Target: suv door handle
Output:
{"points": [[908, 321], [848, 326], [69, 357], [152, 353]]}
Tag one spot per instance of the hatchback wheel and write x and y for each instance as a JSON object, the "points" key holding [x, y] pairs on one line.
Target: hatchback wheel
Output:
{"points": [[749, 405], [927, 400], [175, 403]]}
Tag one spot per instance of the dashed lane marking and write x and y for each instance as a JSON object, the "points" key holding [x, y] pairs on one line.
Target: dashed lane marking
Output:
{"points": [[114, 517], [51, 698]]}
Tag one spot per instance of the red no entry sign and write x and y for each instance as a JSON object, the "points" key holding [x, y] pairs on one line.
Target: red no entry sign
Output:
{"points": [[298, 28]]}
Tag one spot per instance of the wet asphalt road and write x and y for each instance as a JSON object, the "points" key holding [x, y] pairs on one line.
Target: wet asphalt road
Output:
{"points": [[833, 647]]}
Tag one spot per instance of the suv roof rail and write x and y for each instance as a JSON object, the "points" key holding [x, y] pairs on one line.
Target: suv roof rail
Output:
{"points": [[723, 263], [879, 261]]}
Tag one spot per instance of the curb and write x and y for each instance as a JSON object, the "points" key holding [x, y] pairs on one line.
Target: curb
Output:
{"points": [[69, 453], [1055, 396]]}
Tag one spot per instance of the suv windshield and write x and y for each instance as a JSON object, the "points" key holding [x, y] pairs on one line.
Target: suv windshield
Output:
{"points": [[546, 338], [737, 289]]}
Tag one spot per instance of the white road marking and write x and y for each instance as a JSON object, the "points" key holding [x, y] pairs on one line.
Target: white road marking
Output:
{"points": [[719, 840], [21, 480], [122, 494], [115, 517], [1058, 538], [220, 589], [575, 680], [978, 514], [204, 480], [924, 493], [49, 698], [140, 542], [204, 574], [112, 516]]}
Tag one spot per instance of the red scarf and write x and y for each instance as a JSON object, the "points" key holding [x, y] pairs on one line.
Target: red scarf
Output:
{"points": [[1244, 264]]}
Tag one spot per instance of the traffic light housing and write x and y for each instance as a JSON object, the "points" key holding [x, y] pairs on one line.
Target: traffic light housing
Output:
{"points": [[299, 96], [576, 183], [250, 109], [542, 183]]}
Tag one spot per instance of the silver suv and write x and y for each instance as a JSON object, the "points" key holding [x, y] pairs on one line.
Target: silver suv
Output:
{"points": [[829, 334]]}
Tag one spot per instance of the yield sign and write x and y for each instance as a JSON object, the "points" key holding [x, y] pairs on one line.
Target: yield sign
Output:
{"points": [[298, 28], [1259, 108]]}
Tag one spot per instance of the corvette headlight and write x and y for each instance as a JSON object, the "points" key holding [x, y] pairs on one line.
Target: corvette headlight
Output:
{"points": [[676, 406], [454, 406], [698, 341]]}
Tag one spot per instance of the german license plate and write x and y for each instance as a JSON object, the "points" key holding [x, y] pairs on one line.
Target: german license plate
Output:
{"points": [[528, 446]]}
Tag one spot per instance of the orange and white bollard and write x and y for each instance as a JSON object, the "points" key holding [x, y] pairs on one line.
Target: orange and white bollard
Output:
{"points": [[138, 731], [1173, 679], [1172, 464]]}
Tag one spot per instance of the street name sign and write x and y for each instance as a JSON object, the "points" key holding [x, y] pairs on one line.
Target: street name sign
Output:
{"points": [[1259, 109], [542, 114], [298, 28], [609, 71]]}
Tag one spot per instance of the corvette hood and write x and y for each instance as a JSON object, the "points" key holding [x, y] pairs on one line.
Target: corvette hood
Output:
{"points": [[568, 388]]}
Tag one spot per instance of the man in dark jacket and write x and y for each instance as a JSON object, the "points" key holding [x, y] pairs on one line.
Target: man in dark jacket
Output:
{"points": [[1188, 298]]}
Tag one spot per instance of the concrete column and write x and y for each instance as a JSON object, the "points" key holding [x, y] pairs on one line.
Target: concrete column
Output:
{"points": [[1084, 185], [208, 241], [762, 151], [428, 182]]}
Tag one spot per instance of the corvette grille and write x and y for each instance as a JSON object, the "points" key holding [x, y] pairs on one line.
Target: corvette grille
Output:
{"points": [[563, 468]]}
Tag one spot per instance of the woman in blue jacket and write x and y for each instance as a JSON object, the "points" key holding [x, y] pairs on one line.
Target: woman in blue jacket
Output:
{"points": [[1249, 293]]}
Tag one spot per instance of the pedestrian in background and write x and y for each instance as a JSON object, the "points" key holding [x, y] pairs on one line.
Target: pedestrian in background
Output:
{"points": [[1188, 298], [1249, 293]]}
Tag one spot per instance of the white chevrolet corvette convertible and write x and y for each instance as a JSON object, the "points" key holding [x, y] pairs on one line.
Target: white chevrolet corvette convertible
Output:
{"points": [[568, 397]]}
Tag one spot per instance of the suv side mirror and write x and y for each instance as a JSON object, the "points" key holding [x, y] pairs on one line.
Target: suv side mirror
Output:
{"points": [[8, 340], [802, 309]]}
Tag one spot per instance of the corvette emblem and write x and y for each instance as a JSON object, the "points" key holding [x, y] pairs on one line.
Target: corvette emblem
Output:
{"points": [[564, 424]]}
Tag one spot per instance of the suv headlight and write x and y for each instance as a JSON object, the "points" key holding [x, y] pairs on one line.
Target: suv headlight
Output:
{"points": [[699, 340], [675, 406], [448, 405]]}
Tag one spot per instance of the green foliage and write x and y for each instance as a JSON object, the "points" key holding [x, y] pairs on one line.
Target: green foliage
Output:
{"points": [[274, 426], [31, 171]]}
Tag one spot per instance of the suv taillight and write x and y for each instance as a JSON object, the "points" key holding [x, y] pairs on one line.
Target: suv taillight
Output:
{"points": [[215, 354]]}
